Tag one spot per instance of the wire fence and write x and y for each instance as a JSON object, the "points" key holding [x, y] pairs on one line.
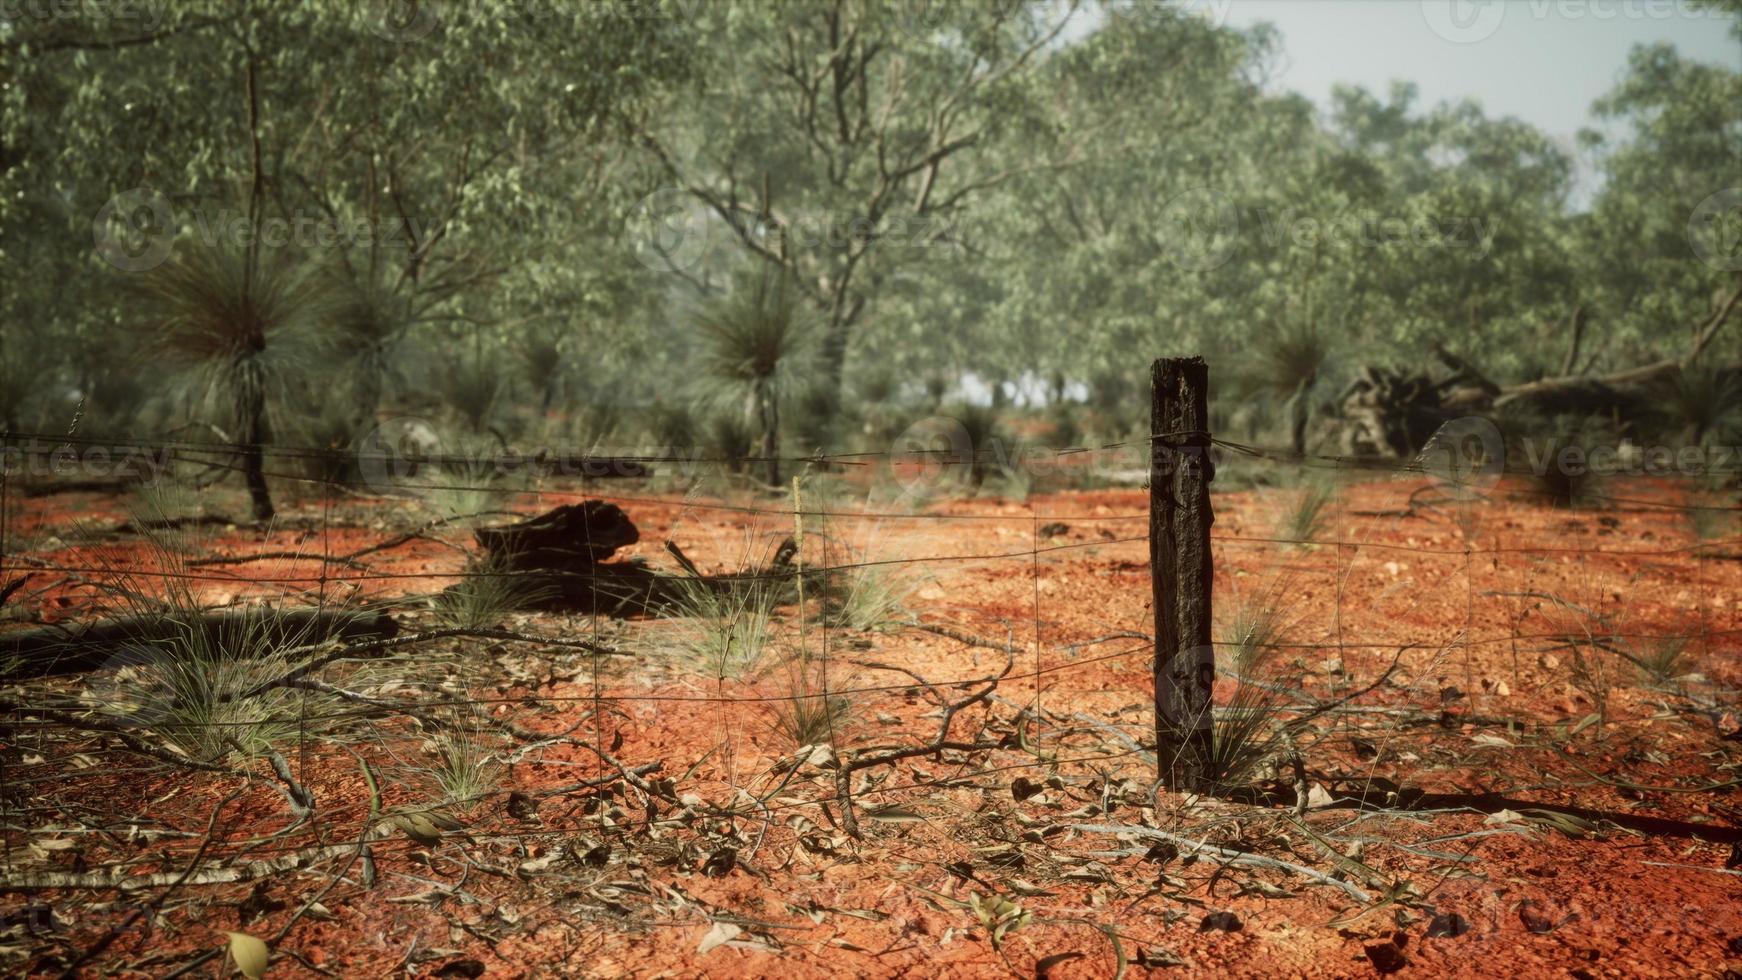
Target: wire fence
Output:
{"points": [[354, 567], [1065, 694]]}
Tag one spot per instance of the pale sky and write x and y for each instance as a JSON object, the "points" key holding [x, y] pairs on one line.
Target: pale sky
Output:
{"points": [[1543, 61]]}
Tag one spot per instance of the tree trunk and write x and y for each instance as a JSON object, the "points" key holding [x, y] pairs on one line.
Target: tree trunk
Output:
{"points": [[1299, 413], [771, 433], [254, 456]]}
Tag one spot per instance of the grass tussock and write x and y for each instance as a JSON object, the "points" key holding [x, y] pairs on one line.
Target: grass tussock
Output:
{"points": [[868, 596], [487, 592], [1663, 661], [1249, 728], [1308, 514], [727, 631]]}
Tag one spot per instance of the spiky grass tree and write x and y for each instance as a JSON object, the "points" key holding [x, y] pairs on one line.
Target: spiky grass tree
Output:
{"points": [[754, 339], [1287, 368], [239, 321], [367, 328], [1701, 402]]}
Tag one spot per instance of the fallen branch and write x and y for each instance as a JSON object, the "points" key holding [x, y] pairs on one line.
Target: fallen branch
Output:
{"points": [[1230, 858], [844, 775], [119, 878]]}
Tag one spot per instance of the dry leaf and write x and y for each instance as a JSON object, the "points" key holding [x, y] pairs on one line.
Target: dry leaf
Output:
{"points": [[721, 934], [249, 953]]}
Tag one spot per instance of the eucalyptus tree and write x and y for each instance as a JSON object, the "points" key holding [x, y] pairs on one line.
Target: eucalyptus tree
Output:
{"points": [[1665, 227], [398, 155], [841, 139]]}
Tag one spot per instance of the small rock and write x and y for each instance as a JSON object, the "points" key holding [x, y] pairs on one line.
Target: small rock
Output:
{"points": [[1386, 957], [1447, 925], [1220, 921], [1054, 530]]}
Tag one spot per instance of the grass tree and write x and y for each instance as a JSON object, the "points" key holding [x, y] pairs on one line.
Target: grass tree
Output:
{"points": [[754, 338], [368, 326], [238, 321], [1700, 402], [1287, 367]]}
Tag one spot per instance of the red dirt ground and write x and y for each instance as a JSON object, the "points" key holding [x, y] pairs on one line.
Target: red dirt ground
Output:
{"points": [[1501, 618]]}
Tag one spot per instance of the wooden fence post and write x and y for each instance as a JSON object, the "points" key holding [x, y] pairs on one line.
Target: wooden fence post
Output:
{"points": [[1180, 570]]}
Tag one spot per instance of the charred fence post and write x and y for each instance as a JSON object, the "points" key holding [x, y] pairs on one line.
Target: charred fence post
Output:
{"points": [[1181, 572]]}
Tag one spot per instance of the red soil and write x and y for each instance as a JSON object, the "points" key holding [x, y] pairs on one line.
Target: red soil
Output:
{"points": [[1487, 618]]}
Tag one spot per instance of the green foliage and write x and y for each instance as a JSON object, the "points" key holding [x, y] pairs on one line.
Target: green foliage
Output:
{"points": [[727, 631], [1305, 518], [1662, 661], [753, 340], [488, 591], [1699, 404], [980, 190], [869, 596], [244, 327]]}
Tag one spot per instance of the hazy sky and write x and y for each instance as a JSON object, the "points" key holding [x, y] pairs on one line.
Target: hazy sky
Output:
{"points": [[1543, 61]]}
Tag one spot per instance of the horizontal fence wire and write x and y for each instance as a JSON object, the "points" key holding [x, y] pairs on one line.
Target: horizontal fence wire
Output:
{"points": [[217, 455], [43, 444]]}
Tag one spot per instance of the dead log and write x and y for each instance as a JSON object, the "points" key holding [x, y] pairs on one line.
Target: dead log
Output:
{"points": [[569, 536], [1639, 376], [50, 651], [557, 563], [1390, 413]]}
